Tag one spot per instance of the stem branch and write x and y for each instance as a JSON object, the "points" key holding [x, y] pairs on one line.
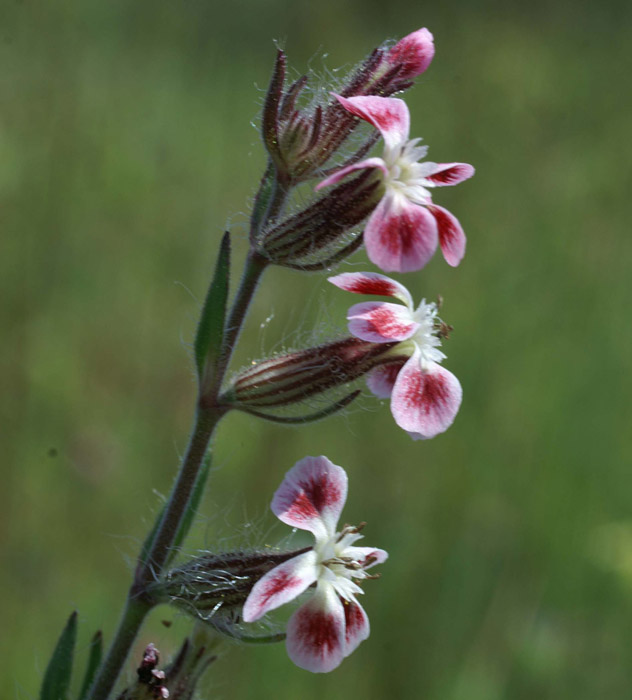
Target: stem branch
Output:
{"points": [[209, 413]]}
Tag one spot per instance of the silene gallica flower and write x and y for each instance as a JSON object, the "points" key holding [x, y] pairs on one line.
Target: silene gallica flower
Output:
{"points": [[425, 397], [331, 624], [403, 231]]}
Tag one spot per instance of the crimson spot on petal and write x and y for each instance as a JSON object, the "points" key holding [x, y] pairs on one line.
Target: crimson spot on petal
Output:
{"points": [[317, 629], [451, 176], [372, 286], [427, 392], [384, 322], [315, 496], [354, 619]]}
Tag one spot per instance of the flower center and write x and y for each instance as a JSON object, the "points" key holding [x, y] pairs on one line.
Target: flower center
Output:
{"points": [[334, 554], [426, 337], [405, 174]]}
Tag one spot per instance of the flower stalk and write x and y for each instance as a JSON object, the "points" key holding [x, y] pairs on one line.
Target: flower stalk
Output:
{"points": [[389, 343]]}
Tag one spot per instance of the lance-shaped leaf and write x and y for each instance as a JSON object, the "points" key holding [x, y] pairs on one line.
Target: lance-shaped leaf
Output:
{"points": [[262, 200], [94, 659], [57, 676], [208, 340]]}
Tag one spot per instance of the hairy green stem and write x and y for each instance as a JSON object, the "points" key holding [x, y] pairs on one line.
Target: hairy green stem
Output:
{"points": [[133, 616], [253, 269], [208, 415]]}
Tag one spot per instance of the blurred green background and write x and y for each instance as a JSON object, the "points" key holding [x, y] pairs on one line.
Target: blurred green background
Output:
{"points": [[127, 145]]}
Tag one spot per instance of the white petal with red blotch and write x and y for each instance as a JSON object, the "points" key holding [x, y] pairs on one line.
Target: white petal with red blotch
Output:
{"points": [[280, 585], [381, 322], [372, 283], [343, 172], [357, 627], [312, 496], [400, 236], [316, 632], [450, 174], [362, 554], [413, 53], [425, 402], [381, 380], [388, 114], [451, 235]]}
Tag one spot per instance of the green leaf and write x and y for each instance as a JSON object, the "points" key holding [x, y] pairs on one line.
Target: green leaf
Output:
{"points": [[262, 200], [57, 676], [96, 652], [208, 339], [194, 503]]}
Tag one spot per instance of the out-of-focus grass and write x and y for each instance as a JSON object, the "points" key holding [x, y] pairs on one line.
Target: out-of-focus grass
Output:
{"points": [[126, 148]]}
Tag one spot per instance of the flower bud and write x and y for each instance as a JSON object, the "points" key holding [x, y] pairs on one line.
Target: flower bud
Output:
{"points": [[179, 679], [196, 654], [286, 379], [412, 54], [151, 681]]}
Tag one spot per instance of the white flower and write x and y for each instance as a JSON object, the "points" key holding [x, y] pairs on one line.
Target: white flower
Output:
{"points": [[403, 231], [331, 624], [425, 397]]}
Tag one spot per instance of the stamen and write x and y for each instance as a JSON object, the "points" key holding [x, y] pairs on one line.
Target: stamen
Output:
{"points": [[350, 530], [443, 329]]}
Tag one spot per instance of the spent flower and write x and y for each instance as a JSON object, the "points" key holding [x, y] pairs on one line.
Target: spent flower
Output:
{"points": [[425, 397], [331, 624]]}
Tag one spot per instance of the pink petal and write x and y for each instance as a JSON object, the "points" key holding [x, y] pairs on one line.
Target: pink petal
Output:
{"points": [[362, 554], [381, 322], [450, 174], [417, 436], [280, 585], [413, 53], [400, 236], [451, 236], [372, 283], [381, 380], [343, 172], [388, 114], [316, 632], [425, 402], [312, 496], [357, 627]]}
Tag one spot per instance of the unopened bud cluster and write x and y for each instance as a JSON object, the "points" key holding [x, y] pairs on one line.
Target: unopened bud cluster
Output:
{"points": [[302, 142]]}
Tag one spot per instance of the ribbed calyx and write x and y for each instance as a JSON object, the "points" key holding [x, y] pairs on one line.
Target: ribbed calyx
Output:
{"points": [[214, 584], [321, 234], [286, 379]]}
